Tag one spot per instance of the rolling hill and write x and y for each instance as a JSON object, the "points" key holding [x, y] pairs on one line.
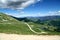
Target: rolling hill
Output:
{"points": [[10, 24], [47, 23]]}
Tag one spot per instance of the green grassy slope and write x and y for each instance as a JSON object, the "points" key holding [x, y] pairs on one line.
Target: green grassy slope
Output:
{"points": [[11, 25], [44, 29]]}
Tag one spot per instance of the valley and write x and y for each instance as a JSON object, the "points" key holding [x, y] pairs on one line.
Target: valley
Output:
{"points": [[13, 25]]}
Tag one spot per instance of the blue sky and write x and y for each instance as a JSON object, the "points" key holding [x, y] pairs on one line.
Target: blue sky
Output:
{"points": [[34, 8]]}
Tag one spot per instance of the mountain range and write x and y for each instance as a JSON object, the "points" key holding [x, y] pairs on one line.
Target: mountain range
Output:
{"points": [[47, 24]]}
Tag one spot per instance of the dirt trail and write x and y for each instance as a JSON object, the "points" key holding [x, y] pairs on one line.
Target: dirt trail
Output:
{"points": [[33, 30], [27, 37]]}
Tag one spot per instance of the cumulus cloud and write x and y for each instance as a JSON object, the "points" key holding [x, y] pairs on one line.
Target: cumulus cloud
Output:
{"points": [[49, 13], [54, 13], [59, 11], [16, 4]]}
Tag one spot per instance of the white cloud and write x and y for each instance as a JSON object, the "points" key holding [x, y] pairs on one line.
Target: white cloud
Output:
{"points": [[16, 4], [3, 1], [40, 14], [38, 0], [50, 13], [59, 11], [54, 13]]}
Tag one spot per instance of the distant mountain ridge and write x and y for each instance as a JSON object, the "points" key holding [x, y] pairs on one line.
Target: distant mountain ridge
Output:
{"points": [[44, 18], [49, 21], [11, 24], [50, 17]]}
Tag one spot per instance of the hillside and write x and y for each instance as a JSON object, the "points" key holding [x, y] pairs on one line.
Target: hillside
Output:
{"points": [[49, 24], [11, 25]]}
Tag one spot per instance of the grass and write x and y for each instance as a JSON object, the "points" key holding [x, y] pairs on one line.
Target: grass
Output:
{"points": [[20, 28], [13, 26], [39, 28]]}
